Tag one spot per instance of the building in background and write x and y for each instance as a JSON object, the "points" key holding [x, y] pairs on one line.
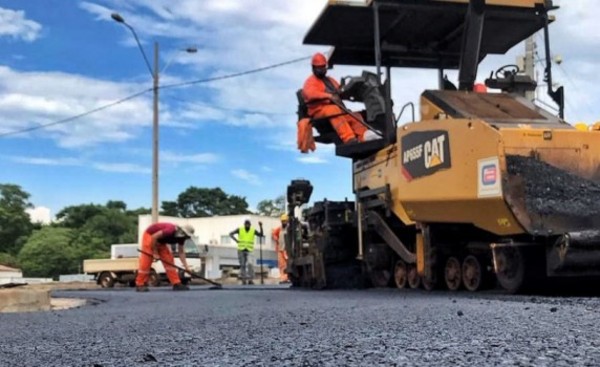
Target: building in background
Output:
{"points": [[213, 233]]}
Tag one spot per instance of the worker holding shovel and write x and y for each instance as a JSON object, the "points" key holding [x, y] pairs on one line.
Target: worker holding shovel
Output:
{"points": [[155, 242]]}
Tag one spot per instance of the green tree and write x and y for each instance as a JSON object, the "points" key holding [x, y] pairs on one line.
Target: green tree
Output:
{"points": [[139, 211], [117, 205], [112, 226], [15, 223], [272, 208], [8, 260], [97, 227], [169, 208], [205, 202], [48, 253], [76, 216]]}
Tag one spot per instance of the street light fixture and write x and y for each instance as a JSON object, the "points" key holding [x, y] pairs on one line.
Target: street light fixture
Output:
{"points": [[155, 77]]}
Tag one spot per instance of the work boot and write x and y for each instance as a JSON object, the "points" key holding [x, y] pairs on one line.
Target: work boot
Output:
{"points": [[352, 141], [251, 282], [142, 288], [181, 287], [244, 282]]}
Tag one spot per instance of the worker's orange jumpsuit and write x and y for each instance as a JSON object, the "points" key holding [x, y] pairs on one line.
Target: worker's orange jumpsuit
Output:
{"points": [[317, 94], [282, 257], [145, 261]]}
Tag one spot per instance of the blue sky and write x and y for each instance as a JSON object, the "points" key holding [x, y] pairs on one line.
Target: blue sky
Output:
{"points": [[61, 58]]}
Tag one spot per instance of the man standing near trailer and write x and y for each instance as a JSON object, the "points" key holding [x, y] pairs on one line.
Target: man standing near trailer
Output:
{"points": [[155, 241], [245, 241]]}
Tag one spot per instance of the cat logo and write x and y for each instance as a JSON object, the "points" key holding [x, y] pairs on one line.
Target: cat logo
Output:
{"points": [[424, 153], [434, 151]]}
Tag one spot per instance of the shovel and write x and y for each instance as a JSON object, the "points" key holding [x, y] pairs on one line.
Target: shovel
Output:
{"points": [[194, 275]]}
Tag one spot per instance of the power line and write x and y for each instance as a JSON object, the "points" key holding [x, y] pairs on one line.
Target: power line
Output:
{"points": [[174, 85], [73, 118], [234, 75]]}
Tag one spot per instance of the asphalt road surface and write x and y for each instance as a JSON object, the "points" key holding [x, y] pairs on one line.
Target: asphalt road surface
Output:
{"points": [[283, 327]]}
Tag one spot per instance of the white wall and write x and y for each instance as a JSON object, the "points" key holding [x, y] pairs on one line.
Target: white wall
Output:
{"points": [[11, 274]]}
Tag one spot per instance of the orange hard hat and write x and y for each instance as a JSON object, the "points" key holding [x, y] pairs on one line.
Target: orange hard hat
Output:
{"points": [[479, 88], [319, 59]]}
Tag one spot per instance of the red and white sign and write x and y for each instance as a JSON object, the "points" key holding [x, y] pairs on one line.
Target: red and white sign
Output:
{"points": [[488, 178]]}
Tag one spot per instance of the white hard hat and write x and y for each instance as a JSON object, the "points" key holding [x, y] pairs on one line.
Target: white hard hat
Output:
{"points": [[187, 229]]}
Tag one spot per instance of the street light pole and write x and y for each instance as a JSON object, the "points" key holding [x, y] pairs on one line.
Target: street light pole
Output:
{"points": [[155, 139], [155, 85]]}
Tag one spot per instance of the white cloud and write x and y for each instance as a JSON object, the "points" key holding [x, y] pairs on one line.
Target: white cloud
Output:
{"points": [[266, 169], [311, 159], [14, 24], [251, 178], [121, 167], [39, 214], [44, 161], [66, 161], [199, 158], [29, 99]]}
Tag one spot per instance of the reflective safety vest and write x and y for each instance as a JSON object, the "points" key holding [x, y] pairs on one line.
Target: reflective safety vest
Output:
{"points": [[246, 239]]}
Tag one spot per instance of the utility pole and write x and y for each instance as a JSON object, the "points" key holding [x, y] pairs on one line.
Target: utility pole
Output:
{"points": [[155, 85], [155, 139]]}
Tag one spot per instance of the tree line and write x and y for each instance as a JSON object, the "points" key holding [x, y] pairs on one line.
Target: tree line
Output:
{"points": [[87, 231]]}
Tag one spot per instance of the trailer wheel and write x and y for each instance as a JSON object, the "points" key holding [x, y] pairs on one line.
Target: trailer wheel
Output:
{"points": [[453, 274], [106, 280], [472, 273], [401, 274], [414, 280], [153, 278], [511, 268]]}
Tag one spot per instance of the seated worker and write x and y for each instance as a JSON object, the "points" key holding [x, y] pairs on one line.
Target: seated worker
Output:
{"points": [[320, 93]]}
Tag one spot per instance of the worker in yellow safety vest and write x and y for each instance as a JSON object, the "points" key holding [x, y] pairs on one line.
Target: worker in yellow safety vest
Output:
{"points": [[245, 241]]}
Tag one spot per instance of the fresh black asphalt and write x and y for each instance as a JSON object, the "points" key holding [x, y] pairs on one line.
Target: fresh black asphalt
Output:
{"points": [[273, 326]]}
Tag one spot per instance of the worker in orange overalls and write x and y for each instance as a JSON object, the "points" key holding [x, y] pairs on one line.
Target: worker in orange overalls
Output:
{"points": [[278, 236], [320, 93], [155, 241]]}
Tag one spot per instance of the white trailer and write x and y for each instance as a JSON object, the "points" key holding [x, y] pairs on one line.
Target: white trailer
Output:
{"points": [[123, 265]]}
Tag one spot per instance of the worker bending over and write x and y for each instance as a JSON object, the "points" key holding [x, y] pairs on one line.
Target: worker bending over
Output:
{"points": [[321, 95], [245, 241], [155, 241], [278, 236]]}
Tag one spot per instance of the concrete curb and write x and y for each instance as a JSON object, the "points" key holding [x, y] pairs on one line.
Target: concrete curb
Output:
{"points": [[24, 300]]}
